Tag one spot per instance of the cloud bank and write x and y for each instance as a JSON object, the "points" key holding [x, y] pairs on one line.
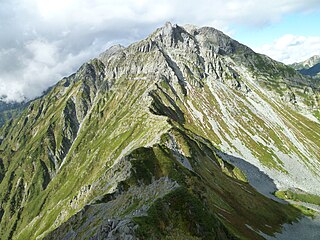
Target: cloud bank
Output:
{"points": [[291, 48], [43, 40]]}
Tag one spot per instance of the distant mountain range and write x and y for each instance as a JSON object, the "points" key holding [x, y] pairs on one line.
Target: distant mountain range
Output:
{"points": [[309, 67], [9, 110]]}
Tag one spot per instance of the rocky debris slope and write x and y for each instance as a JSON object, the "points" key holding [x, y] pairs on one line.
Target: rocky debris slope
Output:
{"points": [[139, 141]]}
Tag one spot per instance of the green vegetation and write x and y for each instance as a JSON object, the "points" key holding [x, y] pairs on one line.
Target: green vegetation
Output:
{"points": [[305, 210], [298, 196], [130, 140], [184, 214], [10, 110], [317, 114]]}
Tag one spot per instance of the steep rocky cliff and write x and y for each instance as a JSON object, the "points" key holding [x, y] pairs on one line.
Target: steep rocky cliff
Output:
{"points": [[184, 135]]}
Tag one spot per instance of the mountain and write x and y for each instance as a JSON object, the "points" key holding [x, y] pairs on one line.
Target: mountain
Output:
{"points": [[10, 110], [309, 67], [187, 134], [313, 71], [310, 62]]}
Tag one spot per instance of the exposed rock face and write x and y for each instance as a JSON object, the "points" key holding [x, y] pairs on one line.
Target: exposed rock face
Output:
{"points": [[307, 63], [127, 147], [309, 67]]}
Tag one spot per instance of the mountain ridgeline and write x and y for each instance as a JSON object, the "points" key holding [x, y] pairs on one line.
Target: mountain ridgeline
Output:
{"points": [[183, 135], [309, 67]]}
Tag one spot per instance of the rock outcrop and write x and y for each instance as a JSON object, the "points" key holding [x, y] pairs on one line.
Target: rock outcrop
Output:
{"points": [[149, 140]]}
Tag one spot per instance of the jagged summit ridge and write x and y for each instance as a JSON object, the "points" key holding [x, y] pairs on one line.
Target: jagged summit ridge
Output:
{"points": [[309, 67], [139, 142], [110, 52], [310, 62], [172, 33]]}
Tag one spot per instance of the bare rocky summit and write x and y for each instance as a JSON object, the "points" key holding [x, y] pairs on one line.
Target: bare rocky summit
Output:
{"points": [[186, 134]]}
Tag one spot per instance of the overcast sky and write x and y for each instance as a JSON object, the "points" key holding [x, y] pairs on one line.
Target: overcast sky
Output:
{"points": [[43, 40]]}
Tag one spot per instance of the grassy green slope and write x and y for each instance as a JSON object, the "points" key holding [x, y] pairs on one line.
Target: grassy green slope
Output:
{"points": [[148, 113]]}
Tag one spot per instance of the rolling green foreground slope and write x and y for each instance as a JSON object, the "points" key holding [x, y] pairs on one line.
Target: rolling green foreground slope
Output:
{"points": [[139, 142]]}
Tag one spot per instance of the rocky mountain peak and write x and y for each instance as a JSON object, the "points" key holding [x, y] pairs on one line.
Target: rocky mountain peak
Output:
{"points": [[170, 35], [162, 133], [168, 28], [110, 52], [173, 35], [308, 63], [309, 67], [311, 61]]}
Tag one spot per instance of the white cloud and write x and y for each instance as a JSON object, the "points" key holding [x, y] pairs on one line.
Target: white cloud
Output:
{"points": [[43, 40], [292, 48], [42, 65], [43, 52]]}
